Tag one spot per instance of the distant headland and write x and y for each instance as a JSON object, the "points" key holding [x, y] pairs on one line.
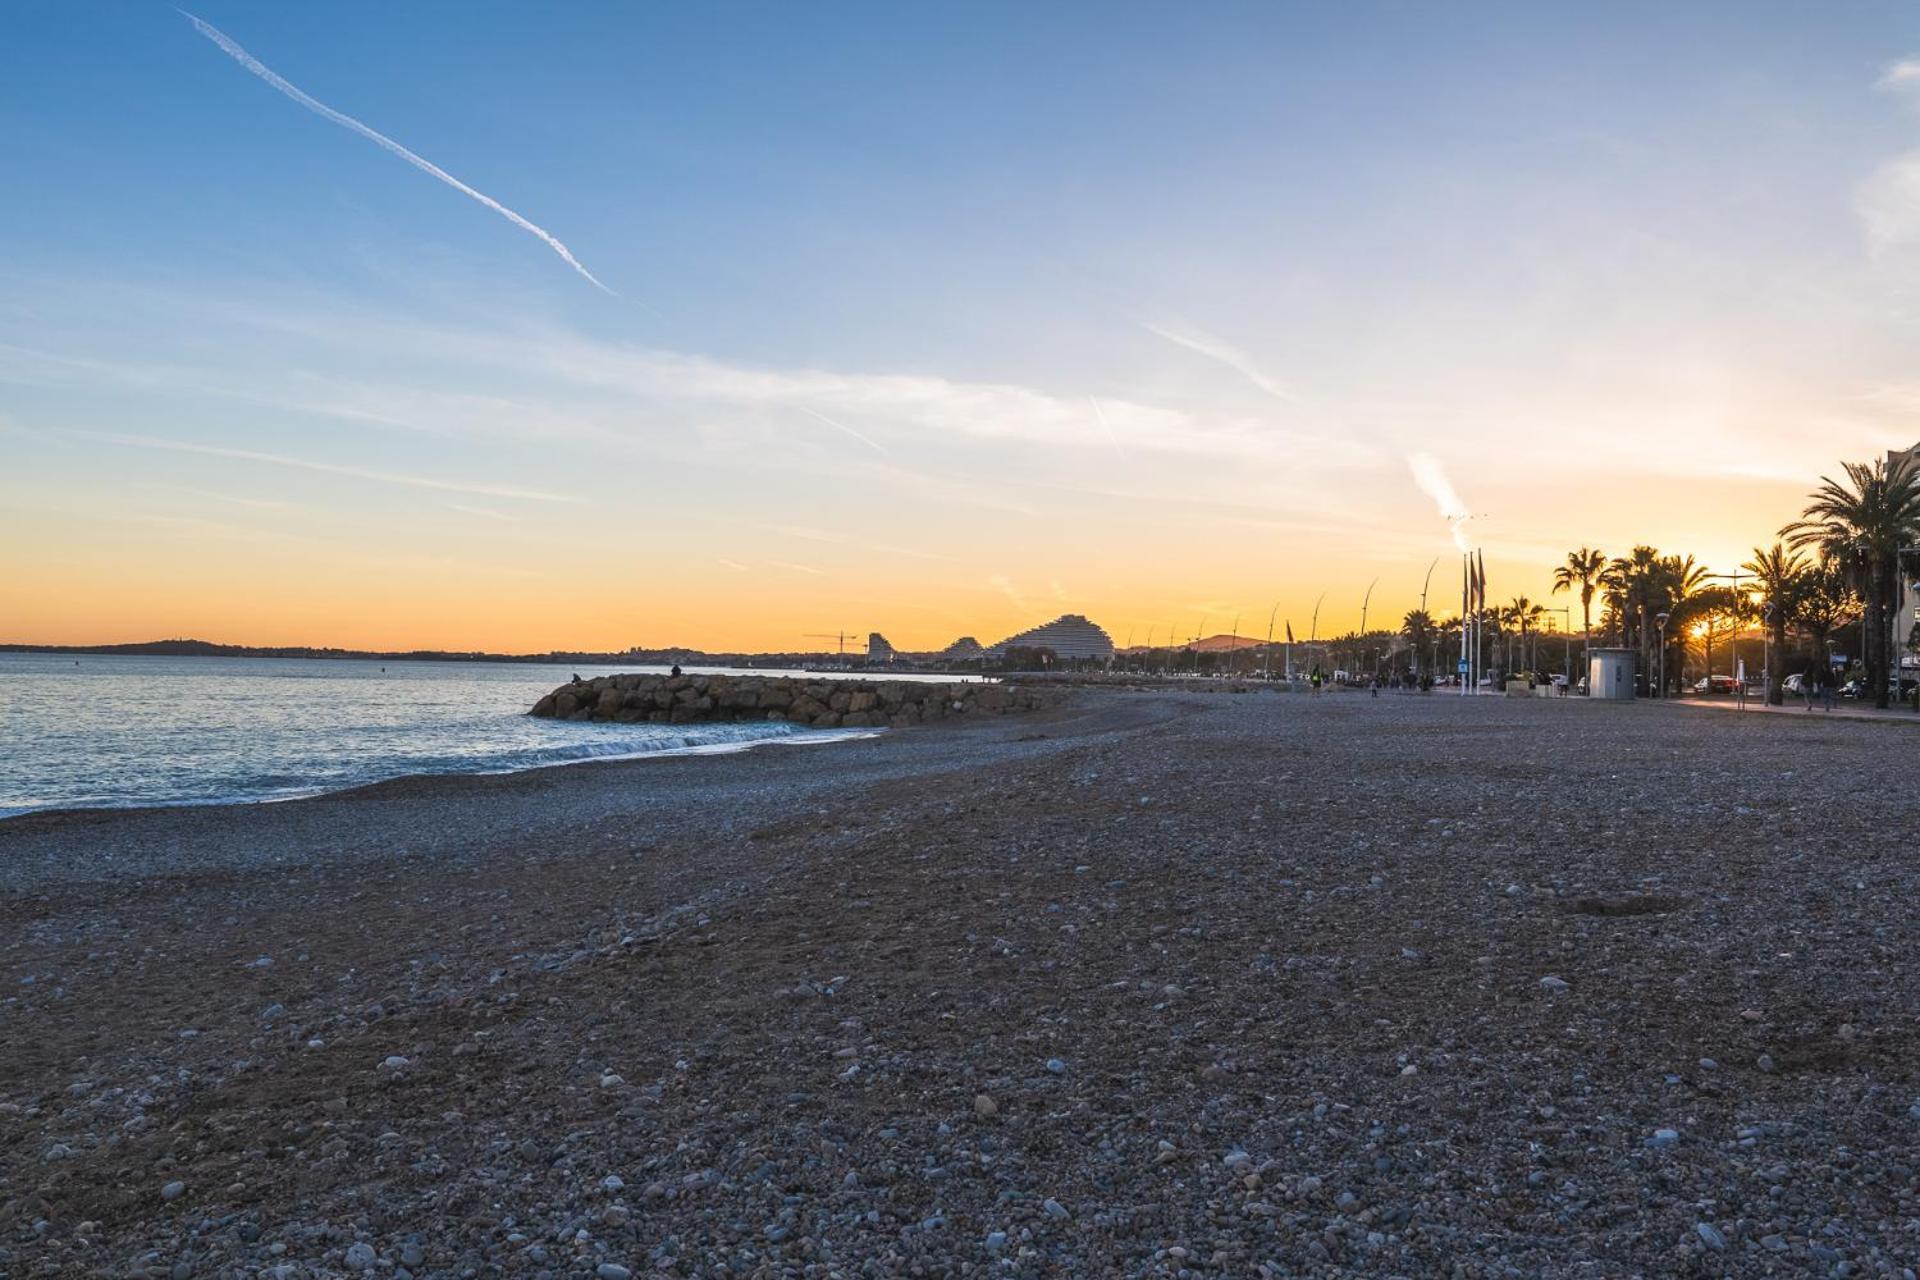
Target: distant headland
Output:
{"points": [[1067, 639]]}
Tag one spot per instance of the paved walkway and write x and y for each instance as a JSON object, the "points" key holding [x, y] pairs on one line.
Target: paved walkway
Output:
{"points": [[1843, 709]]}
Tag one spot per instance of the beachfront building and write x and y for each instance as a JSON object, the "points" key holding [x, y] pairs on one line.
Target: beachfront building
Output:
{"points": [[965, 649], [878, 650], [1909, 597], [1070, 636]]}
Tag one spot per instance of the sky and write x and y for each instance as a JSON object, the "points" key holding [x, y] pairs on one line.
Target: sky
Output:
{"points": [[581, 326]]}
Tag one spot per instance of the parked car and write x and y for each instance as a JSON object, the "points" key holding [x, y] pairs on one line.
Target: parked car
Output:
{"points": [[1857, 688], [1794, 684], [1719, 684]]}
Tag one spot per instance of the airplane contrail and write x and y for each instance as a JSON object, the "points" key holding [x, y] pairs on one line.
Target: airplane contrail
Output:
{"points": [[319, 108], [841, 426]]}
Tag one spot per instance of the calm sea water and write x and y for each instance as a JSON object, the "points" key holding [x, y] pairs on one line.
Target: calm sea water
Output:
{"points": [[115, 732]]}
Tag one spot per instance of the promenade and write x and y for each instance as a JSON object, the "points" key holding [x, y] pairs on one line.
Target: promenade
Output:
{"points": [[1843, 709]]}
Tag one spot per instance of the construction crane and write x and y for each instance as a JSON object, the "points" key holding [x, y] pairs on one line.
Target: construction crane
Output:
{"points": [[840, 636]]}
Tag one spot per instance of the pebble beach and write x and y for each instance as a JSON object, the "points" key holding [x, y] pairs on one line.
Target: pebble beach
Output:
{"points": [[1149, 983]]}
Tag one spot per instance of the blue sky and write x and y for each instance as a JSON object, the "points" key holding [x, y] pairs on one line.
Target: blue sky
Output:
{"points": [[1019, 308]]}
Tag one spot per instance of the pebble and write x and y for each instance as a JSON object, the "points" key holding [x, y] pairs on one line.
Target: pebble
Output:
{"points": [[360, 1256], [1055, 1209], [612, 1271], [613, 1182], [1056, 1066], [1711, 1237], [1764, 1062], [173, 1191], [1554, 983], [1664, 1138], [984, 1106]]}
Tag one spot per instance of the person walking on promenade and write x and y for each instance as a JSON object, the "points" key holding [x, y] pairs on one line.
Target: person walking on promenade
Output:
{"points": [[1809, 684], [1826, 691]]}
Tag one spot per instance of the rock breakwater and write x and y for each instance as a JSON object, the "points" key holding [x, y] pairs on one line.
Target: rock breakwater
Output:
{"points": [[821, 704]]}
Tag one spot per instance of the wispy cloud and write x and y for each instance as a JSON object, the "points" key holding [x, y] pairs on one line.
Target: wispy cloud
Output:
{"points": [[336, 469], [798, 568], [1206, 344], [734, 565], [485, 513], [1004, 585], [1902, 76], [843, 427], [1888, 201], [345, 121], [807, 533], [232, 499], [1434, 482]]}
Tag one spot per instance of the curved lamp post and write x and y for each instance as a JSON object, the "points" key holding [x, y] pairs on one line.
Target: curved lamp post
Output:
{"points": [[1661, 620]]}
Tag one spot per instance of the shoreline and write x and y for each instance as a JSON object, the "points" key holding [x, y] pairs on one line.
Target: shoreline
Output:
{"points": [[1068, 991], [802, 737]]}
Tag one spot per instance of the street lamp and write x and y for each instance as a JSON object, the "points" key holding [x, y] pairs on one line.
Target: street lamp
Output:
{"points": [[1566, 612], [1266, 661], [1661, 620], [1735, 578]]}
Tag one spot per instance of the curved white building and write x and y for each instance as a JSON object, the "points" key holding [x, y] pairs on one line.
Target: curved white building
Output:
{"points": [[1070, 636]]}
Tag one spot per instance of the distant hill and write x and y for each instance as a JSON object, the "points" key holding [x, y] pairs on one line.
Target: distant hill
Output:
{"points": [[634, 657], [1211, 644]]}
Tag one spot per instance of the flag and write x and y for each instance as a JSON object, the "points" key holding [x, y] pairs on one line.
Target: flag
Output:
{"points": [[1289, 630], [1480, 578]]}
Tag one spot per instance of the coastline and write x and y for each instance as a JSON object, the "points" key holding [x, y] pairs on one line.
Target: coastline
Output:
{"points": [[799, 738], [1143, 972]]}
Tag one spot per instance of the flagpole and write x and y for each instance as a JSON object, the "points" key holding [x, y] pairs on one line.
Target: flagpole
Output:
{"points": [[1465, 661]]}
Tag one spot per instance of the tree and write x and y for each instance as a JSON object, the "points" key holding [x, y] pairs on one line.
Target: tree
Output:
{"points": [[1678, 582], [1028, 658], [1779, 582], [1418, 627], [1523, 615], [1584, 570], [1632, 585], [1709, 611], [1862, 524], [1826, 605]]}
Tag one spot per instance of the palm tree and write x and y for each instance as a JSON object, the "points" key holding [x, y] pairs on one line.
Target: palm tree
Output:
{"points": [[1632, 585], [1863, 524], [1585, 569], [1523, 615], [1678, 584], [1418, 628], [1780, 578]]}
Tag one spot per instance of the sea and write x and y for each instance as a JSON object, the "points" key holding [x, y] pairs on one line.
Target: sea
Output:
{"points": [[80, 731]]}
